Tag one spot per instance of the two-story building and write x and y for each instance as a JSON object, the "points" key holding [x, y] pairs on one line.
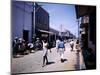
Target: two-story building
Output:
{"points": [[22, 20], [88, 33], [41, 22], [27, 21]]}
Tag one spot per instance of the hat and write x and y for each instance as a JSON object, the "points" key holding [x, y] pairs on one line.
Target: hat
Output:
{"points": [[20, 39]]}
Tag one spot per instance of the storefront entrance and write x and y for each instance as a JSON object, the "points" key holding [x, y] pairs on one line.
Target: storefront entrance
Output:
{"points": [[25, 35]]}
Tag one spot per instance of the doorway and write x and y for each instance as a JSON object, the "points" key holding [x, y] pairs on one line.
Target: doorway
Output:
{"points": [[25, 35]]}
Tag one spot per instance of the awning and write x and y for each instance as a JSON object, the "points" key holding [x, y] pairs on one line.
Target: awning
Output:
{"points": [[82, 10], [45, 31]]}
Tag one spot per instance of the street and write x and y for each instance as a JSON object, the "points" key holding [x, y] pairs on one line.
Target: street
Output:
{"points": [[33, 61]]}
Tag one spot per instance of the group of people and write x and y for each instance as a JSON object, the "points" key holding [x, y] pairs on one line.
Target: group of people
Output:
{"points": [[20, 46], [60, 46]]}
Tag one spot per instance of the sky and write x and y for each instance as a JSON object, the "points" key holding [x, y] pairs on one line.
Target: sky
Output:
{"points": [[62, 14]]}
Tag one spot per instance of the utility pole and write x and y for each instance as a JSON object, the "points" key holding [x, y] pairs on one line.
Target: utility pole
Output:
{"points": [[78, 28], [34, 20], [34, 16], [61, 30]]}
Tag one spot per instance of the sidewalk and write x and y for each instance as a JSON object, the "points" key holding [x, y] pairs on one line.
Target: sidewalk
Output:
{"points": [[33, 62]]}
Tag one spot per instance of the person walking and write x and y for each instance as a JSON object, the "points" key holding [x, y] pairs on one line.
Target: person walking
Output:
{"points": [[61, 48], [72, 45], [45, 52], [77, 46], [57, 43]]}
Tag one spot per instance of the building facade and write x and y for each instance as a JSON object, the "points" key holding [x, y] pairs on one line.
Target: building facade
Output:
{"points": [[22, 20], [26, 21], [67, 35], [88, 33], [41, 22], [54, 35]]}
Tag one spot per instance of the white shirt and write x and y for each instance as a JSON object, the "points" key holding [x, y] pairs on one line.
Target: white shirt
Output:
{"points": [[57, 42], [72, 42], [45, 50]]}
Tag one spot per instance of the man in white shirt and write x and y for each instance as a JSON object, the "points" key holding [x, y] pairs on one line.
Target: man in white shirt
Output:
{"points": [[72, 45], [57, 43]]}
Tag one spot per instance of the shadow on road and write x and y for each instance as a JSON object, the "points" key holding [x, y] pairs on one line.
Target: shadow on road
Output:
{"points": [[50, 63], [64, 60], [18, 56]]}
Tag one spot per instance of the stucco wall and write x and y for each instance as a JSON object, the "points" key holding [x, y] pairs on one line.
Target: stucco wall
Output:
{"points": [[21, 19]]}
